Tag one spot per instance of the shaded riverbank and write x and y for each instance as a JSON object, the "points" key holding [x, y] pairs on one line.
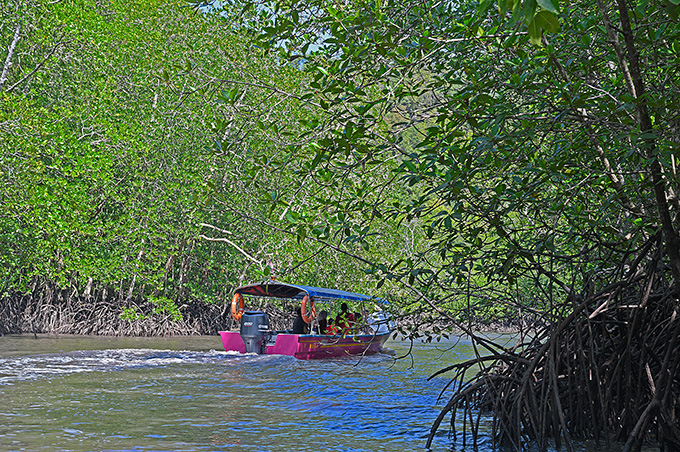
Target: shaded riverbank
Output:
{"points": [[63, 312], [66, 312]]}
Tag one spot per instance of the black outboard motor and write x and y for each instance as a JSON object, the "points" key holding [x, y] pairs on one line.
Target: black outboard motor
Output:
{"points": [[254, 331]]}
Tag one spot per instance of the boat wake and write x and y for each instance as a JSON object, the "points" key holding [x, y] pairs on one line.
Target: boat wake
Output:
{"points": [[34, 367]]}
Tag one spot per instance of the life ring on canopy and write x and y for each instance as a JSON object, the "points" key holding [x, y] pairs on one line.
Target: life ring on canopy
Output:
{"points": [[237, 306], [308, 316]]}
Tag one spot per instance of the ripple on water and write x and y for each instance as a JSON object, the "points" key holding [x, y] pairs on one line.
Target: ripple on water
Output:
{"points": [[26, 368], [160, 399]]}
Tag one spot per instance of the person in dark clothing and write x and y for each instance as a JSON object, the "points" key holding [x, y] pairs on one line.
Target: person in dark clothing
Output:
{"points": [[323, 322], [299, 325]]}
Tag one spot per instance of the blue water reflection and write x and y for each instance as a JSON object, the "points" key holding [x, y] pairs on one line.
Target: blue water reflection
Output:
{"points": [[105, 394]]}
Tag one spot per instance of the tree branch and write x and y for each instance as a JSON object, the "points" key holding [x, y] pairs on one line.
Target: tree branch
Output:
{"points": [[614, 39], [39, 65], [646, 127], [10, 53], [213, 239]]}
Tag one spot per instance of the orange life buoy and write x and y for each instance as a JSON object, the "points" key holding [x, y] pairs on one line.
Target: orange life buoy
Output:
{"points": [[237, 306], [307, 316]]}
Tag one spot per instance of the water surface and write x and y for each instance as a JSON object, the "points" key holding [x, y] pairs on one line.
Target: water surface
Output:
{"points": [[186, 394], [82, 394]]}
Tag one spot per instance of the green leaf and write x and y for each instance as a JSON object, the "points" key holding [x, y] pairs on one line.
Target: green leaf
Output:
{"points": [[534, 32], [530, 8], [673, 9], [549, 5], [548, 21]]}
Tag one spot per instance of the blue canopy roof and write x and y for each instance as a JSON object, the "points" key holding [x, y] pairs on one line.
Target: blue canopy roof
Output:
{"points": [[281, 290]]}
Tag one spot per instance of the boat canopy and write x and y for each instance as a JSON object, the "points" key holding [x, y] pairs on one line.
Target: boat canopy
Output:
{"points": [[281, 290]]}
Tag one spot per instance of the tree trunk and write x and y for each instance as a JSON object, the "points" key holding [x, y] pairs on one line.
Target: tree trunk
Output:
{"points": [[671, 238]]}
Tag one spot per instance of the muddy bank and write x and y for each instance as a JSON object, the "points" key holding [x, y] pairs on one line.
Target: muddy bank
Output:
{"points": [[54, 312]]}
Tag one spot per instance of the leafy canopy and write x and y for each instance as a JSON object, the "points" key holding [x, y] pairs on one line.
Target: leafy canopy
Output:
{"points": [[531, 143]]}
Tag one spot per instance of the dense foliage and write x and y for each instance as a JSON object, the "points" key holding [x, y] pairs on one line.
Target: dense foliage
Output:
{"points": [[107, 115], [99, 159], [530, 146], [533, 146]]}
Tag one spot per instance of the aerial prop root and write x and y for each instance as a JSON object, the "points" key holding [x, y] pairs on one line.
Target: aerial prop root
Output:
{"points": [[610, 369]]}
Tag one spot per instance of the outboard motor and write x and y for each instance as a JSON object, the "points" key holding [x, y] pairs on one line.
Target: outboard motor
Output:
{"points": [[254, 331]]}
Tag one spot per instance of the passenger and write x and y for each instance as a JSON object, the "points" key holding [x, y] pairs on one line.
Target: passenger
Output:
{"points": [[323, 322], [331, 329], [345, 320], [299, 325]]}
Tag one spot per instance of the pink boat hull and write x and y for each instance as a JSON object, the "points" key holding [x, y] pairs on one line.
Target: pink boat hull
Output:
{"points": [[307, 346]]}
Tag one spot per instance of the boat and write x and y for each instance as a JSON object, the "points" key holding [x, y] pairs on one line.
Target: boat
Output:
{"points": [[254, 335]]}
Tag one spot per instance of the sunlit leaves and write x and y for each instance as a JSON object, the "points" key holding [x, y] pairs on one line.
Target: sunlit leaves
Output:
{"points": [[110, 137]]}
